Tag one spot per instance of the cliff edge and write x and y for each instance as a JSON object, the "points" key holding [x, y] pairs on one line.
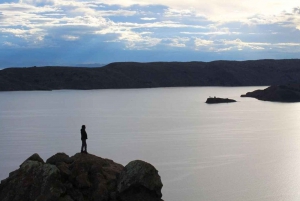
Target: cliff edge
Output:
{"points": [[82, 177]]}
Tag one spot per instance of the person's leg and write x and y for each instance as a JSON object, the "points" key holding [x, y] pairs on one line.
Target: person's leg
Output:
{"points": [[82, 145]]}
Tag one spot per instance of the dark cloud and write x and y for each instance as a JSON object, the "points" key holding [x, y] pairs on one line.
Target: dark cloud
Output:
{"points": [[296, 10]]}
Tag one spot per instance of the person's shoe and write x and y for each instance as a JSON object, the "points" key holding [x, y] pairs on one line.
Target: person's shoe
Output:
{"points": [[82, 151], [85, 152]]}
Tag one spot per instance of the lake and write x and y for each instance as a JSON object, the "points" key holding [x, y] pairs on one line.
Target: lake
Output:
{"points": [[249, 150]]}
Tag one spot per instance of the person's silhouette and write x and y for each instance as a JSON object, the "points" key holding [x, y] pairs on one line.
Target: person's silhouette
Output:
{"points": [[83, 139]]}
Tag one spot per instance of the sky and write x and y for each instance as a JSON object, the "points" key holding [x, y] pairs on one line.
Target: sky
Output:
{"points": [[65, 32]]}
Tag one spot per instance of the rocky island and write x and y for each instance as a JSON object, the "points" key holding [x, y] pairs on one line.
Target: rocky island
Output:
{"points": [[280, 93], [82, 177], [215, 100]]}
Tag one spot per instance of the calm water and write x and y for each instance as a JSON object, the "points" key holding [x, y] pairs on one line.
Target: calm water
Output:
{"points": [[249, 150]]}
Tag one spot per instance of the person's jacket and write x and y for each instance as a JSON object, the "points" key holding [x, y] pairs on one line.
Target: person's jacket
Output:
{"points": [[83, 134]]}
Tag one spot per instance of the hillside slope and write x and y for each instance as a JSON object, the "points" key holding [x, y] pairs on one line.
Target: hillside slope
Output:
{"points": [[155, 74]]}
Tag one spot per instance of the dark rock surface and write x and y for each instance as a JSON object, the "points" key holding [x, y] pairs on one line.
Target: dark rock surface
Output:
{"points": [[34, 157], [219, 100], [142, 178], [59, 158], [82, 177], [156, 74], [280, 93]]}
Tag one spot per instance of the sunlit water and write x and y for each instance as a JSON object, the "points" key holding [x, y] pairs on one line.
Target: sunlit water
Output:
{"points": [[249, 150]]}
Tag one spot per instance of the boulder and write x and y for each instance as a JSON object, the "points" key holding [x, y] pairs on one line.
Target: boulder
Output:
{"points": [[82, 177], [139, 181], [58, 158], [33, 181], [34, 157]]}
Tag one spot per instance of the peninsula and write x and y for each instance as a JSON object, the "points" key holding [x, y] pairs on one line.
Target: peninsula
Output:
{"points": [[279, 93]]}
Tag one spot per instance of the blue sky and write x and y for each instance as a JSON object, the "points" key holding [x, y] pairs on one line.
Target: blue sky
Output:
{"points": [[64, 32]]}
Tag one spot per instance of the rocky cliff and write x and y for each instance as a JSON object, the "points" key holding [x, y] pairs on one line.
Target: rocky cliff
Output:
{"points": [[155, 74], [82, 177]]}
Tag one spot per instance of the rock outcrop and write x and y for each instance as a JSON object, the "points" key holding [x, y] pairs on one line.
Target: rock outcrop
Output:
{"points": [[281, 93], [82, 177], [139, 181], [219, 100]]}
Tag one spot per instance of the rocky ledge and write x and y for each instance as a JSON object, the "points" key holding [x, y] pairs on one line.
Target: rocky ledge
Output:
{"points": [[280, 93], [219, 100], [82, 177]]}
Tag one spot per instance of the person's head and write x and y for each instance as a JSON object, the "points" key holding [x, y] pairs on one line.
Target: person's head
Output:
{"points": [[83, 126]]}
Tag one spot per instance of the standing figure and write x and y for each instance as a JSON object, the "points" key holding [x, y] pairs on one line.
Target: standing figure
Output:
{"points": [[83, 139]]}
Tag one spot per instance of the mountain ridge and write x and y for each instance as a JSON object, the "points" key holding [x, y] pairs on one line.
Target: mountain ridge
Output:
{"points": [[120, 75]]}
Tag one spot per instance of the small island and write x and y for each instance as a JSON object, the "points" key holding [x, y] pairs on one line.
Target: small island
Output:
{"points": [[215, 100], [280, 93]]}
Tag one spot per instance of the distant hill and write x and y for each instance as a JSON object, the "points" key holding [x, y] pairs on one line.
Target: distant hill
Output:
{"points": [[92, 65], [156, 74]]}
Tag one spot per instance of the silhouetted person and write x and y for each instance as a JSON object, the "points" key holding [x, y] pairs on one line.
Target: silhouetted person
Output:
{"points": [[83, 139]]}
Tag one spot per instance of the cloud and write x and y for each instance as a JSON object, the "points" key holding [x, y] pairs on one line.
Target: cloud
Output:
{"points": [[37, 2], [117, 13], [202, 42], [148, 18], [70, 38], [296, 10], [210, 33], [178, 13], [190, 26], [289, 44], [9, 44], [137, 41], [216, 10], [239, 44], [178, 42], [223, 45]]}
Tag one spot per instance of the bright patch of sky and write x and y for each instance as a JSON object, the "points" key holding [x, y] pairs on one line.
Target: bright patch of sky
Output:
{"points": [[66, 32]]}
